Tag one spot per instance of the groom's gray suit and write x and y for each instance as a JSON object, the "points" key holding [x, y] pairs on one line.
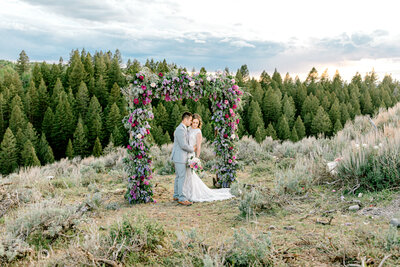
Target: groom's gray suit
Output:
{"points": [[179, 156]]}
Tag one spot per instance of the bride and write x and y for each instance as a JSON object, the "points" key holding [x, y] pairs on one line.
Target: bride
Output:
{"points": [[193, 188]]}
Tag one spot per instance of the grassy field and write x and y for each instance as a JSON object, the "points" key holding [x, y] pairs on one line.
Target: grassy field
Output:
{"points": [[289, 211]]}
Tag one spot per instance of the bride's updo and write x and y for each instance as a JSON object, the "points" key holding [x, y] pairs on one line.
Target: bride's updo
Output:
{"points": [[198, 117]]}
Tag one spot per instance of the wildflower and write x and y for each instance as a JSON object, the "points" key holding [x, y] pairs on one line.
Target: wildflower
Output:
{"points": [[136, 101], [139, 136], [153, 85], [364, 145], [233, 81], [192, 83]]}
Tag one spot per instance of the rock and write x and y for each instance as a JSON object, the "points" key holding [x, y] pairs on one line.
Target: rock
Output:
{"points": [[354, 207], [395, 222], [271, 227], [291, 227]]}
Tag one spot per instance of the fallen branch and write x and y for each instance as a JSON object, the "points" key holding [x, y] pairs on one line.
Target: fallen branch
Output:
{"points": [[324, 223], [384, 259]]}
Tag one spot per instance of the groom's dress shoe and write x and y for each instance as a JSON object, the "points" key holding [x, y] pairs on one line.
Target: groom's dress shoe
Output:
{"points": [[185, 203], [175, 199]]}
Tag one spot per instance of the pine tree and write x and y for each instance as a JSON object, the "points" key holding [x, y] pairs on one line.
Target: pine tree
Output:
{"points": [[69, 153], [36, 75], [58, 88], [77, 73], [21, 140], [300, 129], [293, 136], [162, 117], [80, 141], [115, 74], [334, 112], [29, 157], [47, 124], [64, 125], [367, 107], [208, 132], [260, 134], [283, 128], [82, 100], [94, 120], [44, 152], [43, 103], [337, 127], [271, 106], [2, 121], [255, 116], [117, 136], [271, 132], [321, 122], [22, 63], [289, 110], [344, 114], [101, 91], [31, 135], [17, 119], [113, 119], [97, 150], [175, 119], [8, 153]]}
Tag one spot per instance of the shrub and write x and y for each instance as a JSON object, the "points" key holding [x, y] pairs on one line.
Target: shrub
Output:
{"points": [[247, 250], [295, 180]]}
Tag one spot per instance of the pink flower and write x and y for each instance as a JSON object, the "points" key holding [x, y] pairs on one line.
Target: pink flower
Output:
{"points": [[234, 157], [155, 201], [167, 98], [237, 121], [129, 147], [195, 166], [141, 77], [235, 87], [149, 92], [226, 115], [139, 156], [148, 131], [144, 102], [234, 106], [136, 101], [230, 161], [230, 110], [226, 102], [160, 74], [144, 87], [146, 182], [225, 136], [230, 148]]}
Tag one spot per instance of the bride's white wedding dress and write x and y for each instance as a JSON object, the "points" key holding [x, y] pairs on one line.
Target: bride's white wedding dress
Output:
{"points": [[193, 188]]}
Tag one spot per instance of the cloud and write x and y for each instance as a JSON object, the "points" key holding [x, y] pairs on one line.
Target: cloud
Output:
{"points": [[241, 43]]}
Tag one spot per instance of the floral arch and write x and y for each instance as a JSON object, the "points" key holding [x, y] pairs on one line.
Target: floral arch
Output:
{"points": [[173, 86]]}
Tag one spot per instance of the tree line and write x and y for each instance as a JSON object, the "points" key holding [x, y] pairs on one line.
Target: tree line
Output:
{"points": [[52, 111]]}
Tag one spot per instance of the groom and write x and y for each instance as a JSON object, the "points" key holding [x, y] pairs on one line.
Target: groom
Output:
{"points": [[179, 156]]}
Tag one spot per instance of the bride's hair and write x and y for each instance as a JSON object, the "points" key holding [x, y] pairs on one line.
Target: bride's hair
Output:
{"points": [[197, 116]]}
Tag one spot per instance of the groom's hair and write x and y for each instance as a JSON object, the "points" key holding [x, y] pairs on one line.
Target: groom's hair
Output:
{"points": [[186, 115]]}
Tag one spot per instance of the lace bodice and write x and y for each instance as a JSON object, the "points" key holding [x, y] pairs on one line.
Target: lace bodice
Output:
{"points": [[192, 134]]}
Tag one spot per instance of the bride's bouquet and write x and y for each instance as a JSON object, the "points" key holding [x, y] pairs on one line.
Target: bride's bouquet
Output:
{"points": [[195, 163]]}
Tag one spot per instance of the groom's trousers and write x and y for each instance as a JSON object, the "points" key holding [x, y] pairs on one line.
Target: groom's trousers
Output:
{"points": [[180, 169]]}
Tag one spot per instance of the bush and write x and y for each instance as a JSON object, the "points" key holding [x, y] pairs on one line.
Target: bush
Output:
{"points": [[247, 250], [167, 169], [295, 180], [370, 166]]}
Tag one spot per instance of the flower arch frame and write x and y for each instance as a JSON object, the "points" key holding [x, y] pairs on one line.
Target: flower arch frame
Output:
{"points": [[176, 85]]}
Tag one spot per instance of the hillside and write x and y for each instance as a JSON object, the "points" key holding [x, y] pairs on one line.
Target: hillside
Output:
{"points": [[290, 209]]}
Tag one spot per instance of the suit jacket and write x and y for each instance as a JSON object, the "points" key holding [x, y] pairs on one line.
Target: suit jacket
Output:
{"points": [[181, 146]]}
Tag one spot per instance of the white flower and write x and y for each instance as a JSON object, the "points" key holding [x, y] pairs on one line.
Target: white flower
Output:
{"points": [[233, 136], [139, 136], [364, 145], [208, 78], [191, 83], [376, 147], [153, 85], [233, 81], [380, 144], [357, 145]]}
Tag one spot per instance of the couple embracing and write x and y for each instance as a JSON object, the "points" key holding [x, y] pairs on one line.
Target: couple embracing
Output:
{"points": [[188, 186]]}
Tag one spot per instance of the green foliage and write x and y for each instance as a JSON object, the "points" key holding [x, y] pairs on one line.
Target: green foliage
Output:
{"points": [[45, 153], [8, 153], [97, 150], [249, 250], [69, 153], [22, 63], [283, 128], [80, 140], [271, 132], [321, 122], [29, 157]]}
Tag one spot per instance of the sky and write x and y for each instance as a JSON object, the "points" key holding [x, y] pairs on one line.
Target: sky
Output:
{"points": [[290, 36]]}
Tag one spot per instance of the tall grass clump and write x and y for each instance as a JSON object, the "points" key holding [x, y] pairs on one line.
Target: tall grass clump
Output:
{"points": [[371, 163]]}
